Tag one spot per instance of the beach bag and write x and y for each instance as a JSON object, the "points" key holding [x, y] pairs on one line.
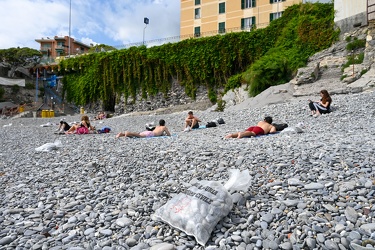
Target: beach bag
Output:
{"points": [[220, 120], [210, 124], [82, 130], [104, 129], [197, 210], [280, 126], [150, 126]]}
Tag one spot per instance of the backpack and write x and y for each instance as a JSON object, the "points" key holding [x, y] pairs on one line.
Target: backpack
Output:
{"points": [[280, 126], [150, 126], [82, 130], [210, 124], [220, 120]]}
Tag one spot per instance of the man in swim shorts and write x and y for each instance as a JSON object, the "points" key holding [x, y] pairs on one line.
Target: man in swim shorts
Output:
{"points": [[158, 131], [262, 128], [191, 121], [147, 133]]}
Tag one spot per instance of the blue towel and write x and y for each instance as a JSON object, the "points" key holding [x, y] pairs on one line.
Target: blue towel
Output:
{"points": [[200, 127]]}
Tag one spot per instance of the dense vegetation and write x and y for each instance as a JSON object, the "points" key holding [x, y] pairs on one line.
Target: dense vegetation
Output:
{"points": [[261, 58], [20, 56]]}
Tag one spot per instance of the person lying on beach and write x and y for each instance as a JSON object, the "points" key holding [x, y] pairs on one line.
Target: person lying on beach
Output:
{"points": [[262, 128], [84, 127], [158, 131], [191, 121], [101, 115]]}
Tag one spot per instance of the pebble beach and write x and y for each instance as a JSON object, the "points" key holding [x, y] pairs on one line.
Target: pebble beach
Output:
{"points": [[309, 190]]}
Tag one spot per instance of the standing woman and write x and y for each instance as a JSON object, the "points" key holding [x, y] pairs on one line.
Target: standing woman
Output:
{"points": [[323, 106]]}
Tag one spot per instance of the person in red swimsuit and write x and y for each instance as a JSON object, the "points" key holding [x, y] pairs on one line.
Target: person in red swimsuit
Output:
{"points": [[262, 128]]}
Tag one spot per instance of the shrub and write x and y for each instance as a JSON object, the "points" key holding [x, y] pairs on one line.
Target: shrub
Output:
{"points": [[212, 96], [353, 59], [220, 105], [234, 82], [277, 67], [356, 44]]}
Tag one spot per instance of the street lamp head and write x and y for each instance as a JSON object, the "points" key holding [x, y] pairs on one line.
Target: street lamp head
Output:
{"points": [[146, 20]]}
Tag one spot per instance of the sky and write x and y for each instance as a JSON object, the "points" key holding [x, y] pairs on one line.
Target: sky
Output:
{"points": [[111, 22]]}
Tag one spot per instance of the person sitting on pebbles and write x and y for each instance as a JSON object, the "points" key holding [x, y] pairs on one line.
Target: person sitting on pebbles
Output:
{"points": [[84, 127], [322, 106], [191, 122], [158, 131], [63, 127], [101, 115], [262, 128]]}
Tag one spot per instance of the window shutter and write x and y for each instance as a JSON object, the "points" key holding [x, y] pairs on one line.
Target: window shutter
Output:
{"points": [[271, 1], [242, 23], [253, 23], [242, 4], [271, 17], [253, 3]]}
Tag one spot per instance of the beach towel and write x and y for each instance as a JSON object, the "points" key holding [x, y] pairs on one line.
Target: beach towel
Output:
{"points": [[152, 137]]}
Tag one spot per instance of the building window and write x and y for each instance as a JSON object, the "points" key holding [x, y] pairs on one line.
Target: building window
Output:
{"points": [[245, 4], [197, 13], [222, 27], [275, 15], [247, 23], [221, 8], [197, 31], [197, 2], [276, 1], [46, 46]]}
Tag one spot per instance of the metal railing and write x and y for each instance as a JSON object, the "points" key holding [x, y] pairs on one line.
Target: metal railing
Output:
{"points": [[172, 39], [175, 39]]}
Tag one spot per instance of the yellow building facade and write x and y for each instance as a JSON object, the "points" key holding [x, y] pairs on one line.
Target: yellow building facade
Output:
{"points": [[199, 18]]}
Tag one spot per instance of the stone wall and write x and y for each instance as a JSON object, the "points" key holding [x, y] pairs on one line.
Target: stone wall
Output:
{"points": [[176, 96], [348, 24]]}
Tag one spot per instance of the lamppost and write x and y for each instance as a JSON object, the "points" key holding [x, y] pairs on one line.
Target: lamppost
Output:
{"points": [[146, 21]]}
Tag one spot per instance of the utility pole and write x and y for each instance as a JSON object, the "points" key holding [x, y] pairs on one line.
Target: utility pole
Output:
{"points": [[70, 24]]}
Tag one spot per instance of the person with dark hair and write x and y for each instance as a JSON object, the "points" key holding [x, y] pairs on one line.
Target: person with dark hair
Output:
{"points": [[323, 106], [191, 122], [262, 128], [63, 127], [158, 131]]}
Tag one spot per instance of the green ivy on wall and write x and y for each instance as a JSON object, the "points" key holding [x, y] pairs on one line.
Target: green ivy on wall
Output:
{"points": [[263, 57]]}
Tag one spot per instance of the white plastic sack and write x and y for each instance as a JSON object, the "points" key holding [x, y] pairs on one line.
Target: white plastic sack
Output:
{"points": [[49, 146], [197, 210], [48, 124], [294, 130]]}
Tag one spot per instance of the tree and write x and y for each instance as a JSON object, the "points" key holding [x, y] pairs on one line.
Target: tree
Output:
{"points": [[18, 59], [101, 48]]}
